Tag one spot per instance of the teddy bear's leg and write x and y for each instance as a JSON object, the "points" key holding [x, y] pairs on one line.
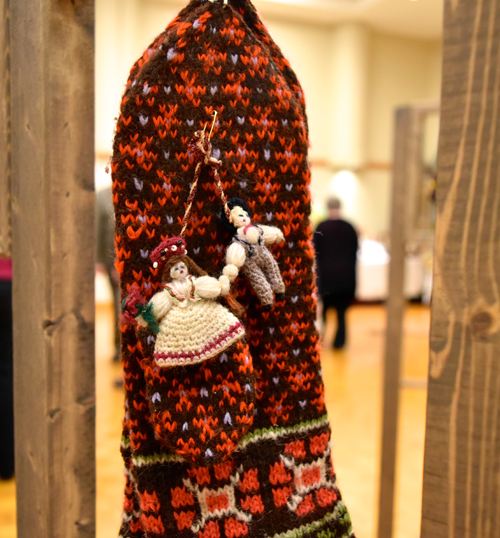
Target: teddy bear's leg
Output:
{"points": [[269, 265], [258, 281]]}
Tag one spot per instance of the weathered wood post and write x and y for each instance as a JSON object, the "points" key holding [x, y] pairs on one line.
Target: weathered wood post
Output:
{"points": [[5, 222], [462, 452], [52, 112], [405, 174], [406, 186]]}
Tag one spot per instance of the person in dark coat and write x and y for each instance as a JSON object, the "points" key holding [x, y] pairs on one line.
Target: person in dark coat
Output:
{"points": [[105, 252], [336, 245], [6, 372]]}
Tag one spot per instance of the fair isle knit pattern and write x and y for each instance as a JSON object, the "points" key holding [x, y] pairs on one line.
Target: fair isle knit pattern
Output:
{"points": [[237, 445]]}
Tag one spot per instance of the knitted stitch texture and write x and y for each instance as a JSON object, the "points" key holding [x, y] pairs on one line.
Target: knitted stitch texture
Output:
{"points": [[272, 477]]}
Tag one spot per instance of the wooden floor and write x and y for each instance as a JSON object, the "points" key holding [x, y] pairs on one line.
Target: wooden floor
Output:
{"points": [[353, 384]]}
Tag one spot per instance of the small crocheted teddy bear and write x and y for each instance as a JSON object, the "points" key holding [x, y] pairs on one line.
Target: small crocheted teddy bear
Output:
{"points": [[248, 252]]}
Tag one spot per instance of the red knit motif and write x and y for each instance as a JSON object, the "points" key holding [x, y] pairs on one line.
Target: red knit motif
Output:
{"points": [[152, 524], [295, 449], [250, 481], [211, 530], [223, 471], [253, 504], [325, 496], [281, 496], [201, 474], [278, 474], [181, 497], [184, 519], [235, 528], [149, 502], [319, 443], [306, 506]]}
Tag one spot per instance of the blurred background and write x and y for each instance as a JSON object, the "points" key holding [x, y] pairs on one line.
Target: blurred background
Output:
{"points": [[357, 60]]}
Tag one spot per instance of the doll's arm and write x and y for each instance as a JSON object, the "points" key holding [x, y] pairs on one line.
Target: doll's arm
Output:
{"points": [[208, 287], [235, 258], [161, 303], [272, 235]]}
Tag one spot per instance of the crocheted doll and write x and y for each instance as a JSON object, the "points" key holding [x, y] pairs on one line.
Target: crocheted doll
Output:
{"points": [[192, 333], [192, 327], [248, 251]]}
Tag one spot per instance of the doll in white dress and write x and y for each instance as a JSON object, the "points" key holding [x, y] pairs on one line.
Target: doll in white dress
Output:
{"points": [[192, 326], [200, 382]]}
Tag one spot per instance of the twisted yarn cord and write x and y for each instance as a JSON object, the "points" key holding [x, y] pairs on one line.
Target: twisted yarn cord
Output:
{"points": [[192, 194], [202, 149]]}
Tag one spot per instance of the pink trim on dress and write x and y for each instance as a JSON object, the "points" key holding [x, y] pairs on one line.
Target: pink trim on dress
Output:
{"points": [[218, 344]]}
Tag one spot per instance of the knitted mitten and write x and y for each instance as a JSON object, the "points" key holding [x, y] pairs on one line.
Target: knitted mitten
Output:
{"points": [[279, 479]]}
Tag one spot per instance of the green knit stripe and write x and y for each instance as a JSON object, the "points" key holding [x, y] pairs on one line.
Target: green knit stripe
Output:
{"points": [[140, 461], [340, 513], [274, 433], [254, 437]]}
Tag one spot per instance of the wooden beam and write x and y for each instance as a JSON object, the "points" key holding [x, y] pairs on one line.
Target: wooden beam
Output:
{"points": [[5, 221], [462, 450], [405, 173], [52, 66]]}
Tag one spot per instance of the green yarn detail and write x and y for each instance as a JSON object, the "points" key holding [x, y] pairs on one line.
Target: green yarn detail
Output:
{"points": [[254, 437], [271, 433], [146, 311], [140, 461], [147, 315], [343, 523]]}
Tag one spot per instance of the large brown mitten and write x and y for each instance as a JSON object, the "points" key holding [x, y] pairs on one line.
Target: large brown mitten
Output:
{"points": [[279, 480]]}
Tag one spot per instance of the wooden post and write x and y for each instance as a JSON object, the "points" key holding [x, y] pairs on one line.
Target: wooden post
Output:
{"points": [[462, 451], [406, 185], [52, 64], [5, 221], [406, 155]]}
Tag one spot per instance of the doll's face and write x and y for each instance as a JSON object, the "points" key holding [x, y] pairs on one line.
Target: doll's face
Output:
{"points": [[239, 217], [178, 271]]}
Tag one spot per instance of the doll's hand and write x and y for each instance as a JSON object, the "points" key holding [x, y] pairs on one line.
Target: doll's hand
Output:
{"points": [[230, 271], [225, 284], [272, 235]]}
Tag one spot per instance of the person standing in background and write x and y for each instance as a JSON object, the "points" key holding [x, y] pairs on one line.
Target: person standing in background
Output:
{"points": [[6, 372], [336, 245], [105, 254]]}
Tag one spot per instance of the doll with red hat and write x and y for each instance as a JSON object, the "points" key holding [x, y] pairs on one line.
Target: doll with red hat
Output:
{"points": [[192, 326], [198, 416]]}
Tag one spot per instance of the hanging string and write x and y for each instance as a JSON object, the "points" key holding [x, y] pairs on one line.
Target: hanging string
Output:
{"points": [[202, 148]]}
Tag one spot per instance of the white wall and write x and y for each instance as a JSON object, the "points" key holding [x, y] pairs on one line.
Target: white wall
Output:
{"points": [[399, 72], [124, 29]]}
